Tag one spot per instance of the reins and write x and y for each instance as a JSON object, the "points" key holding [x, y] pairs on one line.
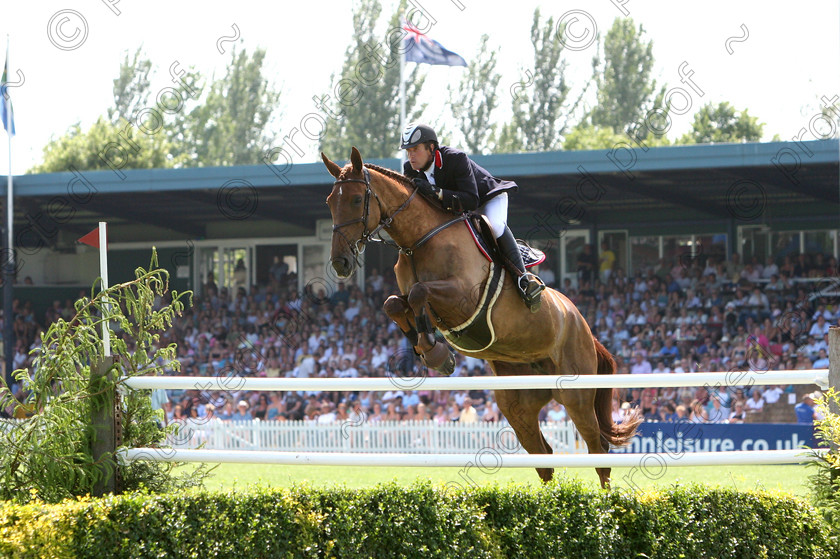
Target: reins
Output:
{"points": [[357, 248]]}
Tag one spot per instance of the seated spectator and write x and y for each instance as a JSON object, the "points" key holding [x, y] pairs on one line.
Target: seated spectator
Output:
{"points": [[755, 403], [738, 415], [422, 412], [819, 329], [491, 413], [556, 412], [441, 416], [640, 365], [468, 413], [716, 413], [226, 413], [670, 351], [821, 361], [773, 394], [242, 413], [652, 413], [698, 412], [770, 269]]}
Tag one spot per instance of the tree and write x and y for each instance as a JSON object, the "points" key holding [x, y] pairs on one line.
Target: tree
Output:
{"points": [[475, 100], [131, 88], [185, 128], [84, 150], [721, 124], [365, 97], [585, 136], [625, 89], [541, 112], [231, 126]]}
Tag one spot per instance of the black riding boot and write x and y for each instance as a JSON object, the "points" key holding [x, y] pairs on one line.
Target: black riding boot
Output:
{"points": [[529, 286]]}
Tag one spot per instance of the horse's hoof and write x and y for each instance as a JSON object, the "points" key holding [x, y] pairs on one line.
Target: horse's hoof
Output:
{"points": [[449, 365]]}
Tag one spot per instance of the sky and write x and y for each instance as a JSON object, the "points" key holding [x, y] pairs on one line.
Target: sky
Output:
{"points": [[768, 57]]}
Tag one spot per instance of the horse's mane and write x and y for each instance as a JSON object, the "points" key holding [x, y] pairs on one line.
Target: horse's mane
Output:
{"points": [[391, 174]]}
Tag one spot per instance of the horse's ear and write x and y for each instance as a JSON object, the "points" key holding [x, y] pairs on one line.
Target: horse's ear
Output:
{"points": [[356, 159], [334, 169]]}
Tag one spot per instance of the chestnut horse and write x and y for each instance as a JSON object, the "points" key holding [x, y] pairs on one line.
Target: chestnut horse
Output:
{"points": [[442, 277]]}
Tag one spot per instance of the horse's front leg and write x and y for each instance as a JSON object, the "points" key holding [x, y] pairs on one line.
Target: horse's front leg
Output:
{"points": [[435, 355], [397, 309]]}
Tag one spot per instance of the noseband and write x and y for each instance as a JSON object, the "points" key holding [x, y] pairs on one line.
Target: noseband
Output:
{"points": [[358, 247]]}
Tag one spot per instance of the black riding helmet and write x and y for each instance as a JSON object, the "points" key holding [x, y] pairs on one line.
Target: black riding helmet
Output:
{"points": [[415, 134]]}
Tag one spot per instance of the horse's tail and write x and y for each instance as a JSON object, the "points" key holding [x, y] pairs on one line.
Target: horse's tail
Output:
{"points": [[616, 434]]}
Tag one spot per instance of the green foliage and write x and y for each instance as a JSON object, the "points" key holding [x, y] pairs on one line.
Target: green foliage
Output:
{"points": [[231, 126], [626, 90], [586, 136], [475, 99], [49, 455], [825, 483], [227, 126], [542, 111], [364, 99], [131, 88], [558, 520], [721, 124], [81, 150]]}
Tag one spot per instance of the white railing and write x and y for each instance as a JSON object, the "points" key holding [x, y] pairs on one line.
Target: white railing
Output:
{"points": [[521, 382], [421, 437]]}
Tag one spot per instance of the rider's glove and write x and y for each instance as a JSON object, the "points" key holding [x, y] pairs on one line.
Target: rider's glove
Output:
{"points": [[427, 189]]}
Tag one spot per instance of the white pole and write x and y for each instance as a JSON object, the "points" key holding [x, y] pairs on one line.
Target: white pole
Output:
{"points": [[402, 101], [103, 273], [491, 459], [710, 380], [10, 210]]}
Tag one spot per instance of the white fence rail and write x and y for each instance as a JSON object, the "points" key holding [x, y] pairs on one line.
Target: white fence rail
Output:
{"points": [[487, 460], [732, 378], [420, 437]]}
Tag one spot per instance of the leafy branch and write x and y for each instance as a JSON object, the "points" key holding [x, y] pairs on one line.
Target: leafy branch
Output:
{"points": [[48, 455]]}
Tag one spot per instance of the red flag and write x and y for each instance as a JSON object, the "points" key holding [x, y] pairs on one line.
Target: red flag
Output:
{"points": [[91, 238]]}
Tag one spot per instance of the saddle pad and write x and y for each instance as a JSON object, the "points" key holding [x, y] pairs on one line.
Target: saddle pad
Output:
{"points": [[531, 256], [476, 333]]}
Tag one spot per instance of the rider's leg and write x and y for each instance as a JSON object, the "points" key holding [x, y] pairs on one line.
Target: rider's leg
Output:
{"points": [[529, 286]]}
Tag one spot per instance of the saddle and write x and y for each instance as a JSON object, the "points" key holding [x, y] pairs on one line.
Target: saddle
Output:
{"points": [[477, 333], [482, 234]]}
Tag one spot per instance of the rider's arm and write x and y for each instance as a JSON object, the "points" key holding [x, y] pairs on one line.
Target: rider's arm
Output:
{"points": [[465, 195]]}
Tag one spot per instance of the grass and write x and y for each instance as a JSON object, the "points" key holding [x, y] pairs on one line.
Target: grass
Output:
{"points": [[788, 479]]}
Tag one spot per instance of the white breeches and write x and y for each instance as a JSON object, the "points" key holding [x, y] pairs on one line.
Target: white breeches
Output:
{"points": [[496, 210]]}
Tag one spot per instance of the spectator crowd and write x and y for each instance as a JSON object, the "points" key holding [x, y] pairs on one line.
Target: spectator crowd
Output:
{"points": [[669, 317]]}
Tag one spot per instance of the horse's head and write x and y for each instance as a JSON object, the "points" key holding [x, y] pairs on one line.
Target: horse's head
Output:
{"points": [[354, 209]]}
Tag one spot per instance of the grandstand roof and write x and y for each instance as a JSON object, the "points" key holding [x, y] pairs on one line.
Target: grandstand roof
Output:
{"points": [[764, 183]]}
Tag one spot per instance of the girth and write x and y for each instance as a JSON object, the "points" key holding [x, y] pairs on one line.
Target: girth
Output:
{"points": [[477, 333]]}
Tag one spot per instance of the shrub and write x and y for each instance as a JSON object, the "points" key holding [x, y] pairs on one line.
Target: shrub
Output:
{"points": [[825, 483], [559, 520], [49, 456]]}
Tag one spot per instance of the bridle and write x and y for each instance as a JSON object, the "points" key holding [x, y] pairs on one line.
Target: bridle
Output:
{"points": [[357, 248]]}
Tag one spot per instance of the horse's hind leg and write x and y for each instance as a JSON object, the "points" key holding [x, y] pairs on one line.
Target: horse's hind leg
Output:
{"points": [[522, 409], [580, 405]]}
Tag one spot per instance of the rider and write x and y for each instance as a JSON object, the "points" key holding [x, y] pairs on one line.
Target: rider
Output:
{"points": [[452, 180]]}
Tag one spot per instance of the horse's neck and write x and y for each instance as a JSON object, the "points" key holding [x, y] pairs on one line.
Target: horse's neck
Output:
{"points": [[413, 221]]}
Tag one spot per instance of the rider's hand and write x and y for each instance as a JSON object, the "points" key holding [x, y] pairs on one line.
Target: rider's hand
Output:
{"points": [[427, 189]]}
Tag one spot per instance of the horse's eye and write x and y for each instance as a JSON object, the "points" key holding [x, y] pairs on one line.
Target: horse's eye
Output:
{"points": [[356, 200]]}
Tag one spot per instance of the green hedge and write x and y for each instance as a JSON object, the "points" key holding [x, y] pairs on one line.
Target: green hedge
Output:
{"points": [[560, 520]]}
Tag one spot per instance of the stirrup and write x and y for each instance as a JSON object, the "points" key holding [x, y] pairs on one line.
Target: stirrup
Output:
{"points": [[531, 291]]}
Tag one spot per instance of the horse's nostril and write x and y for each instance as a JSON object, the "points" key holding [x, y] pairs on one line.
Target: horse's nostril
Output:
{"points": [[341, 265]]}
